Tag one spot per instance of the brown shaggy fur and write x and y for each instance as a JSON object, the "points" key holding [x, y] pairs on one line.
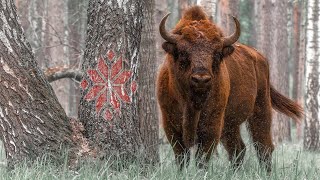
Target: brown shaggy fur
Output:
{"points": [[206, 92]]}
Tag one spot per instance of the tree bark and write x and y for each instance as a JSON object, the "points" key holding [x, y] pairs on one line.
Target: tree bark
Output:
{"points": [[279, 68], [311, 139], [149, 124], [161, 10], [226, 8], [250, 25], [55, 31], [109, 99], [210, 6], [76, 29], [302, 60], [32, 122], [273, 43]]}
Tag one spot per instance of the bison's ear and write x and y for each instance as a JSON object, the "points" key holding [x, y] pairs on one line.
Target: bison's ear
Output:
{"points": [[226, 51], [169, 47]]}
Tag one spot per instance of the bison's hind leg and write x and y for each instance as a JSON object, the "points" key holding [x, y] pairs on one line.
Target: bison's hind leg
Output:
{"points": [[259, 126], [233, 143]]}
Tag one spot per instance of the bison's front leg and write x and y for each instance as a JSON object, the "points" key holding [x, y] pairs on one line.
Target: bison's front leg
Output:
{"points": [[190, 125], [172, 124], [209, 132], [182, 154]]}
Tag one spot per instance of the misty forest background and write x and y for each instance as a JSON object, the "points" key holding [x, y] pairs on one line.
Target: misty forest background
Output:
{"points": [[71, 38]]}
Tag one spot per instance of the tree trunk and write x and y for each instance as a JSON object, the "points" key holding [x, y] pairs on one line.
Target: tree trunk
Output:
{"points": [[32, 122], [161, 10], [279, 68], [56, 47], [147, 108], [76, 38], [300, 62], [273, 42], [55, 30], [173, 8], [183, 5], [252, 40], [258, 23], [109, 99], [210, 6], [312, 122], [226, 8]]}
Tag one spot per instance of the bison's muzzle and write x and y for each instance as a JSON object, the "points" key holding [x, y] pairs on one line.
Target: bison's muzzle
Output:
{"points": [[200, 80]]}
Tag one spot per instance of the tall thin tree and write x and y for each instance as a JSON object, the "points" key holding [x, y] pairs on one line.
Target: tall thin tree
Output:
{"points": [[273, 42], [147, 109], [311, 139]]}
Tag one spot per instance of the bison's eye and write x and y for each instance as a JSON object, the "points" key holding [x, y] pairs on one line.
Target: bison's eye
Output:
{"points": [[217, 56], [183, 59]]}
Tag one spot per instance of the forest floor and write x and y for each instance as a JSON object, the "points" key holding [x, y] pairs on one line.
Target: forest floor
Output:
{"points": [[289, 162]]}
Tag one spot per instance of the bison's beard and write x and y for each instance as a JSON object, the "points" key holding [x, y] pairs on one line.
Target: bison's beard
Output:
{"points": [[199, 99]]}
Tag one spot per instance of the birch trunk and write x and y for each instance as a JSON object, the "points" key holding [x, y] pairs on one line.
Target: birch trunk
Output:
{"points": [[312, 122]]}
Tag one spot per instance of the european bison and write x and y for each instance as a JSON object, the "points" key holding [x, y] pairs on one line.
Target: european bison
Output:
{"points": [[209, 85]]}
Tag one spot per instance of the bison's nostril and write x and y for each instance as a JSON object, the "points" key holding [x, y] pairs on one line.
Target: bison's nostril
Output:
{"points": [[200, 79]]}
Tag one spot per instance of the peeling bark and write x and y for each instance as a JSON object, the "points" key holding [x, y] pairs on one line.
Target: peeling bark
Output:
{"points": [[32, 122]]}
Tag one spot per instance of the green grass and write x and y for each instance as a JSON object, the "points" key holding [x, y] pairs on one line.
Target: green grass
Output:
{"points": [[289, 162]]}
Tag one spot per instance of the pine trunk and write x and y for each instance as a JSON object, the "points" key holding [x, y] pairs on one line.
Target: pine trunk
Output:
{"points": [[272, 41], [301, 63], [32, 122], [279, 68]]}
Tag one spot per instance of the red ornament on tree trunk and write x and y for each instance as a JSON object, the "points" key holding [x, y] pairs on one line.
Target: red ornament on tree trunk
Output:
{"points": [[109, 86]]}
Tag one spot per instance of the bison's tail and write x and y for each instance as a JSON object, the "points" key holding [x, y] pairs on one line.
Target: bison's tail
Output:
{"points": [[285, 105]]}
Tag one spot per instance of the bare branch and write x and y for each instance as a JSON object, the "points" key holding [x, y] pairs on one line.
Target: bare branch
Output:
{"points": [[57, 73]]}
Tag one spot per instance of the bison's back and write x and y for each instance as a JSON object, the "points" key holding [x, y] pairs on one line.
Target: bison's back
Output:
{"points": [[248, 72]]}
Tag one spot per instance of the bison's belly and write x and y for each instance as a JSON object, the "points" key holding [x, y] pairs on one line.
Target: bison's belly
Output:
{"points": [[240, 105]]}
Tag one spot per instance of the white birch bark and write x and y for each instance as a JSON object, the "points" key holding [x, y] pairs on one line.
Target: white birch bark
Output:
{"points": [[312, 121]]}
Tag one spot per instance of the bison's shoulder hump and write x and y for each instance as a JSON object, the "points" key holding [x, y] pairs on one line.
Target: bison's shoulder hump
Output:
{"points": [[195, 13]]}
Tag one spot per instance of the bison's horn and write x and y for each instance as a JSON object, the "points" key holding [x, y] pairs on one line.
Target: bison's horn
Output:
{"points": [[166, 35], [227, 41]]}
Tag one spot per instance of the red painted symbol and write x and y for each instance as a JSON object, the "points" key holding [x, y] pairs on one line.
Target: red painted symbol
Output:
{"points": [[108, 86]]}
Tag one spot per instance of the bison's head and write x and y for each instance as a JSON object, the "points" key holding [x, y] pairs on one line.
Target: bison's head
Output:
{"points": [[197, 48]]}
